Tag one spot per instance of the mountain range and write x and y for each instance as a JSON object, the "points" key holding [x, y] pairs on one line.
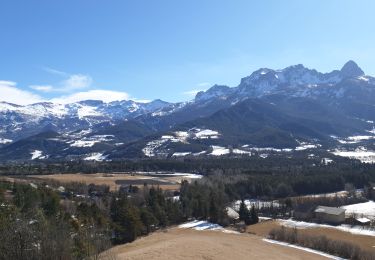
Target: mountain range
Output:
{"points": [[289, 110]]}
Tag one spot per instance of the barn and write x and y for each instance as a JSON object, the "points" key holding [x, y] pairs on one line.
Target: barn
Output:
{"points": [[330, 215]]}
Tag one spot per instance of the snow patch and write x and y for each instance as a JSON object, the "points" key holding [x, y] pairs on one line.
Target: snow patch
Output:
{"points": [[96, 157], [326, 161], [5, 141], [239, 151], [37, 154], [219, 150], [205, 225], [87, 111], [360, 137], [181, 154], [90, 141], [152, 146]]}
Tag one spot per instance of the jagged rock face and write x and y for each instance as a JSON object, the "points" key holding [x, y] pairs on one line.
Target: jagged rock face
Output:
{"points": [[295, 80]]}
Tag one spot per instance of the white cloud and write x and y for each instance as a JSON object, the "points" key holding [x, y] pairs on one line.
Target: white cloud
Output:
{"points": [[44, 88], [11, 94], [70, 82], [76, 81], [98, 94]]}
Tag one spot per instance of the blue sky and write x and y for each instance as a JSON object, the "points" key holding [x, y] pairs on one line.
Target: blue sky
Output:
{"points": [[168, 49]]}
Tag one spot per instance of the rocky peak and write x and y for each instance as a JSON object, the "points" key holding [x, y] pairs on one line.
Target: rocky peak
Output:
{"points": [[351, 70], [214, 91]]}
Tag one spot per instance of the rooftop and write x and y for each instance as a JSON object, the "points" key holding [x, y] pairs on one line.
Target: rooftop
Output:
{"points": [[329, 210]]}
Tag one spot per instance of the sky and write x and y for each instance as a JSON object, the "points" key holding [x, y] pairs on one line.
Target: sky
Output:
{"points": [[66, 51]]}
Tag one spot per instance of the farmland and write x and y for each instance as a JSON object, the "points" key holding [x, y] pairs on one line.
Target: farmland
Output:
{"points": [[114, 181]]}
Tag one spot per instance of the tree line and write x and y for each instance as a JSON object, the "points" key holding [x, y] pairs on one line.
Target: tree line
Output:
{"points": [[39, 222]]}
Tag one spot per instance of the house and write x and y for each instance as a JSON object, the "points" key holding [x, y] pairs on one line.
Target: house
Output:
{"points": [[330, 215]]}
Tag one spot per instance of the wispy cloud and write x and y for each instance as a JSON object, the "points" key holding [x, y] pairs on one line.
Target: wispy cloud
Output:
{"points": [[55, 71], [70, 83], [204, 84], [43, 88]]}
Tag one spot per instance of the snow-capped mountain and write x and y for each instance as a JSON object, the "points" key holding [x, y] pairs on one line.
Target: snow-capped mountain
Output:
{"points": [[295, 80], [18, 121], [284, 109]]}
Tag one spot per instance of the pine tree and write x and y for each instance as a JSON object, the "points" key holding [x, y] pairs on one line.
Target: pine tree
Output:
{"points": [[213, 210], [253, 216], [243, 212]]}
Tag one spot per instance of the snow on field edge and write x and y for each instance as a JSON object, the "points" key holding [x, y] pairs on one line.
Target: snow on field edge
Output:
{"points": [[302, 248], [356, 230]]}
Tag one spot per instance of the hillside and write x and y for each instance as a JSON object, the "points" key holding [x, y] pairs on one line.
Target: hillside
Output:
{"points": [[190, 244]]}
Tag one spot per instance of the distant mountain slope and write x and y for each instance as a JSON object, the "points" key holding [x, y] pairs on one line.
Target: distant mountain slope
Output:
{"points": [[270, 108], [18, 122]]}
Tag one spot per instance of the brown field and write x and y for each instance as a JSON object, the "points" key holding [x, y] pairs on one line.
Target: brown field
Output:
{"points": [[365, 242], [165, 182], [190, 244]]}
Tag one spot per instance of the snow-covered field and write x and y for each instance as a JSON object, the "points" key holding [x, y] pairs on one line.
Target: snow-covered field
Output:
{"points": [[357, 230], [303, 248], [366, 209], [266, 149], [361, 153], [356, 138], [207, 133], [304, 146], [90, 141], [152, 147], [174, 174]]}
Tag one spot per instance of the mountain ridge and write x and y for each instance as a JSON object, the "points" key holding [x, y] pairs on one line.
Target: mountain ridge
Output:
{"points": [[278, 108]]}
